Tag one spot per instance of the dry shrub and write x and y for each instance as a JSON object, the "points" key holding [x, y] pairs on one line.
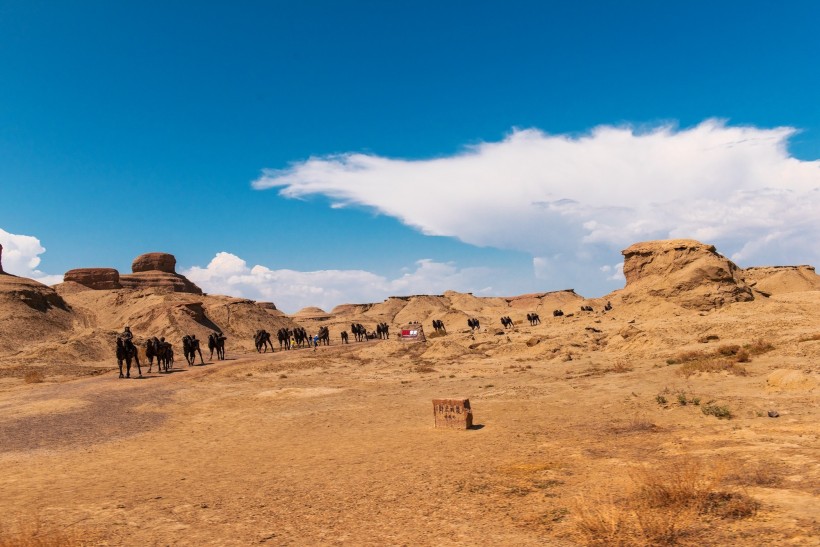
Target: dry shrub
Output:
{"points": [[688, 356], [636, 424], [767, 474], [31, 532], [669, 505], [424, 368], [620, 367], [728, 350], [712, 365], [758, 346], [34, 377]]}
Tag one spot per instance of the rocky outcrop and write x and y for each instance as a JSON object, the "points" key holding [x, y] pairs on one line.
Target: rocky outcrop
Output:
{"points": [[311, 312], [95, 278], [683, 271], [159, 280], [157, 271], [782, 279], [30, 312], [149, 262]]}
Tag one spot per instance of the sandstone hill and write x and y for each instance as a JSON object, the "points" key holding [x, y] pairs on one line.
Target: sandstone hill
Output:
{"points": [[77, 321]]}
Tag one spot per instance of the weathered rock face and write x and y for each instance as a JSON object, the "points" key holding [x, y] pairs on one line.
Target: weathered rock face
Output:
{"points": [[95, 278], [159, 280], [162, 262], [157, 270], [684, 271]]}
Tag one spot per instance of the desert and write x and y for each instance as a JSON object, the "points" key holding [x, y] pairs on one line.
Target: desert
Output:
{"points": [[681, 410]]}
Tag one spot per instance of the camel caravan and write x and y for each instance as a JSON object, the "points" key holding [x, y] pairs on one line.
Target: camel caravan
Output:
{"points": [[163, 352]]}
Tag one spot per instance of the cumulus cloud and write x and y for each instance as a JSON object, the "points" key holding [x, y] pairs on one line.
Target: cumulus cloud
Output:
{"points": [[21, 256], [292, 290], [574, 201]]}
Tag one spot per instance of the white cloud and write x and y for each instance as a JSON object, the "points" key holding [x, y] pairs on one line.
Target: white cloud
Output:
{"points": [[21, 256], [573, 202], [292, 290]]}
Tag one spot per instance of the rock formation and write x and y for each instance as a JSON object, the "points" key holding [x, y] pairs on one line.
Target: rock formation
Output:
{"points": [[782, 279], [95, 278], [149, 262], [685, 272], [157, 270]]}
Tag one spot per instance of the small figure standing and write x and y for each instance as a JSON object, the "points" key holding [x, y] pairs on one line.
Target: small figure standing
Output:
{"points": [[315, 341]]}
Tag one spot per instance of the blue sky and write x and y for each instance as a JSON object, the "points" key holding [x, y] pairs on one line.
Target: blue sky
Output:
{"points": [[132, 127]]}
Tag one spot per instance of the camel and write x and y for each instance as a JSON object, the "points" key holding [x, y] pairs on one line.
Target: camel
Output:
{"points": [[586, 308], [190, 347], [163, 351], [608, 306], [383, 330], [533, 319], [324, 335], [301, 337], [438, 326], [262, 340], [358, 331], [473, 323], [283, 335], [507, 322], [216, 341], [344, 337], [557, 313], [126, 351]]}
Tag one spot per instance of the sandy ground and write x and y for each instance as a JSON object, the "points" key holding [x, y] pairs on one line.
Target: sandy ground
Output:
{"points": [[337, 446]]}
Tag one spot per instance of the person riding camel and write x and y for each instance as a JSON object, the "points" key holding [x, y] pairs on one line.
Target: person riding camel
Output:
{"points": [[126, 334]]}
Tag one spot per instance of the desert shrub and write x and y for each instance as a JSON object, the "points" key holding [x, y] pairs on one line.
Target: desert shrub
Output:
{"points": [[729, 505], [708, 338], [760, 473], [620, 367], [687, 356], [34, 377], [31, 532], [661, 399], [728, 350], [712, 365], [664, 507], [758, 346], [742, 356], [719, 412], [636, 424]]}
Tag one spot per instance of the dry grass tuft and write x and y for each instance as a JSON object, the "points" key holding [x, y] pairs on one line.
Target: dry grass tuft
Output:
{"points": [[758, 346], [31, 532], [636, 424], [722, 359], [620, 367], [712, 365], [666, 506], [34, 377]]}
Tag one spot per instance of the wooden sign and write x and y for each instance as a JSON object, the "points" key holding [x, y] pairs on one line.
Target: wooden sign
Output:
{"points": [[453, 413]]}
